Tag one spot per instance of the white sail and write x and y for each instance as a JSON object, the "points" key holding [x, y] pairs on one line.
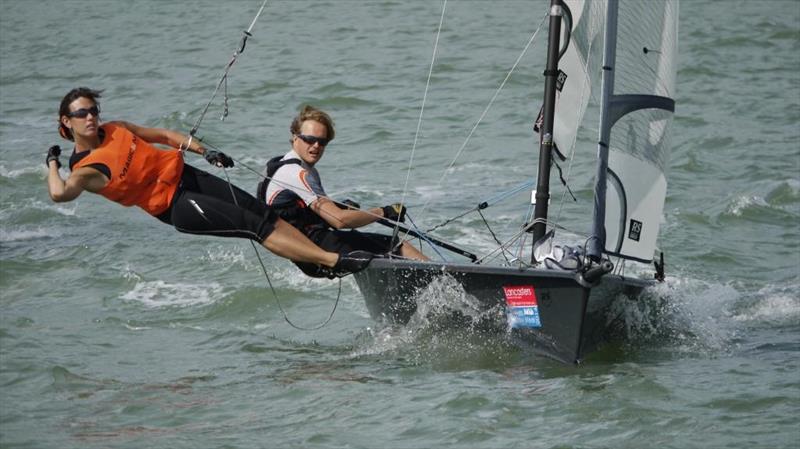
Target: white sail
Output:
{"points": [[578, 69], [644, 75], [636, 112]]}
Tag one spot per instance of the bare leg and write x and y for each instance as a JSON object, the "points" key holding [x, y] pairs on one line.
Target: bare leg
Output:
{"points": [[408, 251], [286, 241]]}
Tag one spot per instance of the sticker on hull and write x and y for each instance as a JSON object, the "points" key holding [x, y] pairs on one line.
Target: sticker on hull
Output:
{"points": [[522, 309]]}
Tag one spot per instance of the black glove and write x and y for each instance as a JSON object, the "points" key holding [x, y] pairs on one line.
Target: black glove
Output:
{"points": [[348, 204], [218, 158], [52, 155], [395, 212]]}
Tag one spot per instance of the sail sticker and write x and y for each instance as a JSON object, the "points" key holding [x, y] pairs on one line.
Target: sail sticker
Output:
{"points": [[523, 309], [635, 230], [561, 79]]}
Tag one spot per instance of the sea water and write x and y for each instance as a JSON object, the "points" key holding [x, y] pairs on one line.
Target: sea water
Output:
{"points": [[118, 332]]}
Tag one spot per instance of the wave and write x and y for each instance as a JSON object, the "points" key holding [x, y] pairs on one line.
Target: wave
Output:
{"points": [[682, 315], [780, 199], [161, 294], [28, 204], [16, 235], [701, 318], [773, 306], [15, 173]]}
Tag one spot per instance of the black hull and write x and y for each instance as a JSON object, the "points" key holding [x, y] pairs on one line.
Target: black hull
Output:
{"points": [[573, 317]]}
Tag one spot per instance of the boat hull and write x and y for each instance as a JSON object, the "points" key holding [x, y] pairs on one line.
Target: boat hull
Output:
{"points": [[572, 316]]}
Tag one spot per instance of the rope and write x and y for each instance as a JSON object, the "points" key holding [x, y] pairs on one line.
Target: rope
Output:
{"points": [[286, 185], [488, 106], [422, 108], [224, 81], [494, 236], [269, 281], [425, 238]]}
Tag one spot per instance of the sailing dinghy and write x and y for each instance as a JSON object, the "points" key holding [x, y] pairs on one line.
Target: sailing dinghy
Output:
{"points": [[621, 53]]}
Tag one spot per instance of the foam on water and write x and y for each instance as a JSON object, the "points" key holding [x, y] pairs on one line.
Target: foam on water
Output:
{"points": [[447, 319], [19, 234], [158, 294], [13, 210], [742, 203], [684, 315], [227, 256], [773, 306], [14, 173]]}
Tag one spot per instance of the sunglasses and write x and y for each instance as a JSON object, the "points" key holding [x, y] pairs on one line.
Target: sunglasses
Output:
{"points": [[84, 112], [311, 140]]}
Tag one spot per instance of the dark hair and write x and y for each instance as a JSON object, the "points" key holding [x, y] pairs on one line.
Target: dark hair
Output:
{"points": [[74, 94], [312, 113]]}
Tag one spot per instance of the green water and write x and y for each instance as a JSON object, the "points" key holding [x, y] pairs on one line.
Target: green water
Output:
{"points": [[118, 332]]}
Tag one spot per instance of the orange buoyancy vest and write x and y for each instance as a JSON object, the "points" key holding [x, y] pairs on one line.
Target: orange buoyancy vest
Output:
{"points": [[141, 174]]}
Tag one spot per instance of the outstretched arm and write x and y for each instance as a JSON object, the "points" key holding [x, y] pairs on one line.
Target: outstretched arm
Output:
{"points": [[175, 139], [163, 136]]}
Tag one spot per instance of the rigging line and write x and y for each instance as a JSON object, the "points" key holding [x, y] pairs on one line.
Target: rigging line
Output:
{"points": [[528, 216], [484, 204], [407, 230], [524, 230], [510, 241], [247, 33], [503, 195], [422, 107], [416, 232], [488, 106], [426, 239], [269, 281], [494, 236], [224, 79]]}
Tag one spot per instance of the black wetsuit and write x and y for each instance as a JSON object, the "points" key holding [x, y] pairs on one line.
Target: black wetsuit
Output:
{"points": [[204, 204]]}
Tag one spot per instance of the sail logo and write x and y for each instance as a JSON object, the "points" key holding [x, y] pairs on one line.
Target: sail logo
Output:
{"points": [[522, 308], [635, 230], [561, 79]]}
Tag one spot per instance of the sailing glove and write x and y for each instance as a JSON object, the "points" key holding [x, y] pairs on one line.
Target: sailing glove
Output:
{"points": [[218, 158], [52, 155], [395, 212], [348, 204]]}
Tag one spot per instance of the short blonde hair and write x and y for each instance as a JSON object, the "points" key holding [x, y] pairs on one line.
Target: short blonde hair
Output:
{"points": [[311, 113]]}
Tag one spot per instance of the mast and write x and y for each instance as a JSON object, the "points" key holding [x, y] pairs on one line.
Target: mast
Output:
{"points": [[598, 243], [546, 131]]}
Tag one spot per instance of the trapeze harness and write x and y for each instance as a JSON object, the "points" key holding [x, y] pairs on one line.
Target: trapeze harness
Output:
{"points": [[293, 209], [287, 203]]}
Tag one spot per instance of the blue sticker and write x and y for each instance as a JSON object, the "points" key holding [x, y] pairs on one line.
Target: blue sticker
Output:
{"points": [[524, 317]]}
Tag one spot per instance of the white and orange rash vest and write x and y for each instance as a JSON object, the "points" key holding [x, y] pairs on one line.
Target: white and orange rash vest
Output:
{"points": [[141, 174]]}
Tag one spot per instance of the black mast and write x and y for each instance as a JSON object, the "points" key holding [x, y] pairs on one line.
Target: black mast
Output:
{"points": [[546, 129]]}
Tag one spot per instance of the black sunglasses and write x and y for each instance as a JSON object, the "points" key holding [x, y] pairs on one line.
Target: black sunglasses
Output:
{"points": [[84, 112], [311, 140]]}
